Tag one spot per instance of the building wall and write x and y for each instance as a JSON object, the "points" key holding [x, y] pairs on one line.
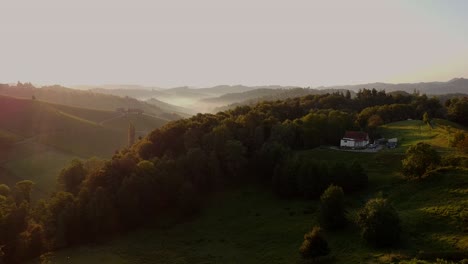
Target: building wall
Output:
{"points": [[353, 144], [361, 143], [347, 143]]}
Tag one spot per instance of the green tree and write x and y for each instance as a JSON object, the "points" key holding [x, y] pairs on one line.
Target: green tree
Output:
{"points": [[457, 110], [314, 244], [72, 176], [332, 208], [23, 191], [131, 134], [374, 121], [4, 190], [234, 156], [419, 159], [457, 137], [379, 223], [462, 145]]}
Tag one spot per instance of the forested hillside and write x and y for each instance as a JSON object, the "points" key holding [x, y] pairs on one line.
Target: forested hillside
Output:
{"points": [[176, 168], [37, 139]]}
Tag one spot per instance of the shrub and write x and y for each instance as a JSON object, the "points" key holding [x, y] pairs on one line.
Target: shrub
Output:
{"points": [[420, 158], [314, 244], [332, 211], [379, 222]]}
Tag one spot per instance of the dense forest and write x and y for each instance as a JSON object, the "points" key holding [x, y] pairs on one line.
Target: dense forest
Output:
{"points": [[175, 168]]}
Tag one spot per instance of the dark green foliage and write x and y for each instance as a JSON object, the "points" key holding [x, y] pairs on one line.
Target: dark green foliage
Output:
{"points": [[379, 223], [419, 159], [455, 160], [457, 110], [458, 137], [332, 208], [314, 244], [462, 145], [357, 178], [131, 134], [4, 190], [189, 199], [268, 157], [296, 176], [285, 178], [72, 176], [23, 191]]}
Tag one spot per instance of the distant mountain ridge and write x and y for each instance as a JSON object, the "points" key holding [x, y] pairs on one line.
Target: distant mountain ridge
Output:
{"points": [[456, 85]]}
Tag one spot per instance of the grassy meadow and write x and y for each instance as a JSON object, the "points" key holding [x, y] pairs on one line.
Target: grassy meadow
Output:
{"points": [[411, 132], [251, 225]]}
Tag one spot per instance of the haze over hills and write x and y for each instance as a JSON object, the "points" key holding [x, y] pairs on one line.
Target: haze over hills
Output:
{"points": [[193, 99]]}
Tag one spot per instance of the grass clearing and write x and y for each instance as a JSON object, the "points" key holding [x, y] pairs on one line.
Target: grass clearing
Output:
{"points": [[411, 132]]}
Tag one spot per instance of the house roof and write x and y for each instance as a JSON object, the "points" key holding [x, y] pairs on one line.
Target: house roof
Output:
{"points": [[356, 135]]}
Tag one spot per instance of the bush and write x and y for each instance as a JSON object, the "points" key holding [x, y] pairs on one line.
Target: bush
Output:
{"points": [[332, 211], [314, 244], [420, 158], [380, 223]]}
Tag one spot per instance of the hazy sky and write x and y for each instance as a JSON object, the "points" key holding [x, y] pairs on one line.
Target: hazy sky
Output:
{"points": [[252, 42]]}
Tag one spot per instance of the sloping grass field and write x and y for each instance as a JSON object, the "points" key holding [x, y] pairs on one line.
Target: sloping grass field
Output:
{"points": [[411, 132], [251, 225]]}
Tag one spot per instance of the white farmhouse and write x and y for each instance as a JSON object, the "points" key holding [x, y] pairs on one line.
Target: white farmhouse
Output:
{"points": [[354, 139]]}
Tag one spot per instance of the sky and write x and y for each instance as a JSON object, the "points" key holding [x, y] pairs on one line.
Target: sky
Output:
{"points": [[252, 42]]}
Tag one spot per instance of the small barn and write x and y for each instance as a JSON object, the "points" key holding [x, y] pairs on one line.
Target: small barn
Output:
{"points": [[354, 139]]}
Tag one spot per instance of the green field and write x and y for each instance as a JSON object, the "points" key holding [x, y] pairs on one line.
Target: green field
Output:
{"points": [[412, 131], [251, 225]]}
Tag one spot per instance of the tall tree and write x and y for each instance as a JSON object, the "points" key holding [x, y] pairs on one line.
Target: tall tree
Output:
{"points": [[131, 134]]}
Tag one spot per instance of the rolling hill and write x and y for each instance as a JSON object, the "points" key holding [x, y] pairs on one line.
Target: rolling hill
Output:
{"points": [[38, 139], [82, 99]]}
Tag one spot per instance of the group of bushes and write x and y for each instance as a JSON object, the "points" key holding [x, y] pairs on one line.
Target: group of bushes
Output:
{"points": [[378, 220]]}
